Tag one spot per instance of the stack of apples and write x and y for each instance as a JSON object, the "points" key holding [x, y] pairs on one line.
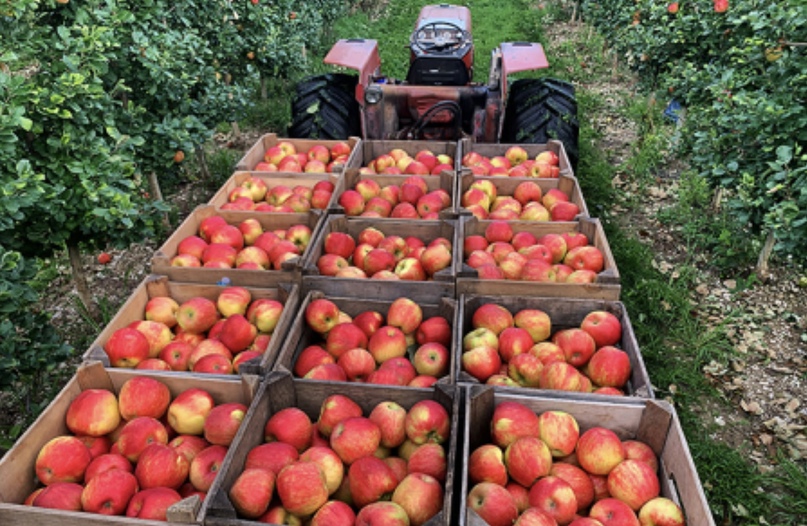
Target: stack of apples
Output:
{"points": [[514, 163], [137, 452], [285, 157], [374, 348], [373, 254], [412, 199], [200, 335], [387, 467], [541, 470], [254, 194], [398, 161], [528, 203], [246, 246], [502, 253], [522, 350]]}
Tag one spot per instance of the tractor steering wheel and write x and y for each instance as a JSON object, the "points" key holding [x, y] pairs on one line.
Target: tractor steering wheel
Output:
{"points": [[438, 37]]}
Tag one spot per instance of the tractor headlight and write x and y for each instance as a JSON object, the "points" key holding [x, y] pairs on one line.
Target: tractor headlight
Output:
{"points": [[372, 95]]}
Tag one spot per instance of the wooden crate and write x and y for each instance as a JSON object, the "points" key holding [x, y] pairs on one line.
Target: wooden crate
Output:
{"points": [[274, 179], [300, 336], [446, 181], [281, 391], [606, 287], [161, 262], [425, 229], [369, 150], [566, 183], [17, 477], [155, 286], [492, 150], [652, 421], [564, 313], [256, 152]]}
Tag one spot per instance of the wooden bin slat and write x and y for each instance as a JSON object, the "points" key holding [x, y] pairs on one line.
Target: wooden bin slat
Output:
{"points": [[370, 149], [491, 150], [300, 336], [564, 313], [161, 262], [155, 286], [281, 391], [566, 183], [256, 152], [651, 421], [446, 181], [273, 179], [607, 286], [17, 476], [426, 230]]}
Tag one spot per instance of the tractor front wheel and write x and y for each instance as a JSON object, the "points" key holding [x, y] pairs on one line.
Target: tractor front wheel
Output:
{"points": [[539, 110], [325, 107]]}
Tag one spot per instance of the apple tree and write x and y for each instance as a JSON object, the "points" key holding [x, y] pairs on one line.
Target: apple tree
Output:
{"points": [[29, 345], [740, 70]]}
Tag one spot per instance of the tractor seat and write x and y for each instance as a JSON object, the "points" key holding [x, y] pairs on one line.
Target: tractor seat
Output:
{"points": [[438, 71]]}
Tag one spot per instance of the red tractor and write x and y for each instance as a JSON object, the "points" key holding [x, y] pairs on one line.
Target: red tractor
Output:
{"points": [[437, 100]]}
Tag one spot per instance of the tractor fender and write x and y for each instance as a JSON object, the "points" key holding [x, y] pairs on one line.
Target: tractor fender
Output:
{"points": [[359, 54], [520, 56]]}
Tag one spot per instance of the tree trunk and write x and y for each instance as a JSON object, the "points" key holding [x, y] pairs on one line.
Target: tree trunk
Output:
{"points": [[157, 194], [80, 280], [762, 263], [264, 88], [236, 130], [717, 199], [203, 168]]}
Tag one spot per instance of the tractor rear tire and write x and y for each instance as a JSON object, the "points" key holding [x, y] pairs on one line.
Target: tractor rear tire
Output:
{"points": [[325, 107], [539, 110]]}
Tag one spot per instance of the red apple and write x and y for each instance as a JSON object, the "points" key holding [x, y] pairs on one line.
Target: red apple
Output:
{"points": [[486, 464], [421, 496], [661, 511], [613, 511], [578, 345], [389, 416], [205, 466], [334, 513], [188, 411], [382, 513], [370, 478], [272, 456], [554, 496], [604, 327], [109, 492], [333, 410], [252, 491], [59, 496], [302, 488], [290, 425], [160, 465], [527, 459], [609, 367], [599, 450], [427, 421], [354, 438], [223, 421], [633, 482], [559, 430], [62, 459], [512, 420], [94, 412], [127, 347], [578, 480], [493, 503], [492, 316]]}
